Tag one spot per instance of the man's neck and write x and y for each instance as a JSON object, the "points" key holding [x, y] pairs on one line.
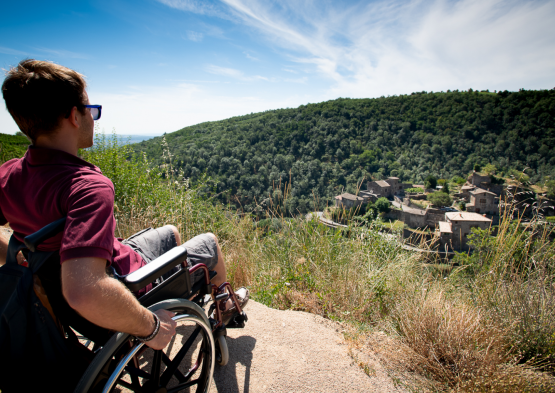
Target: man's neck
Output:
{"points": [[60, 141]]}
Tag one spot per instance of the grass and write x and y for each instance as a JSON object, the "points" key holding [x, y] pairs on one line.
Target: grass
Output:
{"points": [[485, 324], [395, 225]]}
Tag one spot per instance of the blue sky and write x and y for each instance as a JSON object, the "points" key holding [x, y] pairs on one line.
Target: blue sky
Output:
{"points": [[159, 65]]}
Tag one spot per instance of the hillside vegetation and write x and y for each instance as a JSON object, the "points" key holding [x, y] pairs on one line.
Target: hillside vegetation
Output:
{"points": [[485, 324], [322, 149], [12, 146]]}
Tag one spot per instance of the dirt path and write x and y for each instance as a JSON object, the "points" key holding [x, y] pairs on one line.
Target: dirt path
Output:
{"points": [[292, 351]]}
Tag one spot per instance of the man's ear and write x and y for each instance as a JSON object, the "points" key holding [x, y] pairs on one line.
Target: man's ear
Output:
{"points": [[73, 117]]}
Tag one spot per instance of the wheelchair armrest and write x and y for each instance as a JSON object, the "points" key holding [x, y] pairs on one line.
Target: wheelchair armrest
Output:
{"points": [[147, 274]]}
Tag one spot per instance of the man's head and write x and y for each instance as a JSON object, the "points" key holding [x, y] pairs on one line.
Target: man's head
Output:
{"points": [[39, 94]]}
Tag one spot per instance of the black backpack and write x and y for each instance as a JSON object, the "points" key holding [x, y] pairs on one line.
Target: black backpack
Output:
{"points": [[34, 353]]}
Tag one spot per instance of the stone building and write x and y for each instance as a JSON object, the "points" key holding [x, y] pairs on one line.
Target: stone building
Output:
{"points": [[482, 201], [387, 188], [368, 196], [465, 192], [453, 232], [482, 181], [348, 201]]}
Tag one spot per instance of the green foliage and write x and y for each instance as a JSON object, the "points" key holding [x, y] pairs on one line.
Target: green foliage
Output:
{"points": [[12, 146], [519, 176], [323, 148], [489, 169], [439, 199], [413, 190], [550, 185], [445, 188], [150, 196], [477, 167], [458, 180], [430, 182], [382, 204], [462, 206]]}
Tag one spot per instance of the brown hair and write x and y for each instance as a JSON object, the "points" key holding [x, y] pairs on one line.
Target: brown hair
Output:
{"points": [[39, 93]]}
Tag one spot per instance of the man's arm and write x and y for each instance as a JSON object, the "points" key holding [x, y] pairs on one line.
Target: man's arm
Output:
{"points": [[108, 303]]}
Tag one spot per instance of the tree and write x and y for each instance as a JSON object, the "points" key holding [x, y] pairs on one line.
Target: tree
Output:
{"points": [[490, 169], [430, 182], [439, 199], [445, 188], [550, 189], [477, 167], [382, 204]]}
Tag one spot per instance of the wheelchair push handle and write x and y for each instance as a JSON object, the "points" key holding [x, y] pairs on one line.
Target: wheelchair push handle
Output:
{"points": [[35, 239]]}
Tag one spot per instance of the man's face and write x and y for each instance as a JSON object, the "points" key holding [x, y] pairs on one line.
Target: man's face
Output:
{"points": [[86, 127]]}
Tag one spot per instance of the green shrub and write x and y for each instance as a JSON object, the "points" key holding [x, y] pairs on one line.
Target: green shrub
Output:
{"points": [[458, 180], [439, 199], [382, 205]]}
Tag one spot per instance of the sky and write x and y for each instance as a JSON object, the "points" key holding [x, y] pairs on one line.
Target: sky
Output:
{"points": [[159, 65]]}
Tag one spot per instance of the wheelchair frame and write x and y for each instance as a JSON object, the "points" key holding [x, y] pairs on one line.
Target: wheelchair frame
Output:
{"points": [[122, 351]]}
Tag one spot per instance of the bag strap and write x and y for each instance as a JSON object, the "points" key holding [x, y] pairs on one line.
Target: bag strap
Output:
{"points": [[35, 259], [14, 247]]}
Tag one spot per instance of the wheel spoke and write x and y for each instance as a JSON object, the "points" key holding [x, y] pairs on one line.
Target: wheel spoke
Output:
{"points": [[155, 372], [137, 372], [130, 386], [182, 386], [167, 361], [179, 357]]}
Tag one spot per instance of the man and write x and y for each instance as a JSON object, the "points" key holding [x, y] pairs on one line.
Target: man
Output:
{"points": [[50, 105]]}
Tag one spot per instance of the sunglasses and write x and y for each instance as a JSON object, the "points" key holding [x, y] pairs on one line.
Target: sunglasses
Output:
{"points": [[96, 111]]}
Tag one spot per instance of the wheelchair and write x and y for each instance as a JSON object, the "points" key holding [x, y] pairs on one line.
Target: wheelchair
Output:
{"points": [[118, 361]]}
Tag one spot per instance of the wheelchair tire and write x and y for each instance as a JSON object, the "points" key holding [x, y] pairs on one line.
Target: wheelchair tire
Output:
{"points": [[125, 363], [222, 352]]}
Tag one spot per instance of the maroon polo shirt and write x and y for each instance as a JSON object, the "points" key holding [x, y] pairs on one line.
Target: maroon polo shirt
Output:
{"points": [[48, 184]]}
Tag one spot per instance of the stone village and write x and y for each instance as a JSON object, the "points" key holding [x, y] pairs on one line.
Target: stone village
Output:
{"points": [[448, 227]]}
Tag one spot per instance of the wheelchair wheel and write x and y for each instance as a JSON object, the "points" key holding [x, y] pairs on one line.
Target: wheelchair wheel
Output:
{"points": [[222, 352], [186, 364]]}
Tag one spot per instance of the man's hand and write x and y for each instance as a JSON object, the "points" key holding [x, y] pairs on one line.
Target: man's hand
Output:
{"points": [[166, 332]]}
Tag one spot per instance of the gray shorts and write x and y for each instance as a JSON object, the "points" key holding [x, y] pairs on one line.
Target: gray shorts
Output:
{"points": [[151, 243]]}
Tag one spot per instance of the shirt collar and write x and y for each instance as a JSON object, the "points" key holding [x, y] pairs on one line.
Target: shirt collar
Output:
{"points": [[38, 156]]}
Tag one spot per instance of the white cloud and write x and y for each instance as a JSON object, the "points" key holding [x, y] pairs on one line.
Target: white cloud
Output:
{"points": [[10, 51], [194, 36], [392, 47], [233, 73], [250, 57], [63, 53]]}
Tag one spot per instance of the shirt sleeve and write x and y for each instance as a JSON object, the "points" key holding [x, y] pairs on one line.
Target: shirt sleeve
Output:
{"points": [[90, 224]]}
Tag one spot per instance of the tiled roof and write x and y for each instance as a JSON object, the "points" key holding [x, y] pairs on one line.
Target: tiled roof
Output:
{"points": [[466, 216], [481, 191], [382, 183], [445, 227], [349, 196]]}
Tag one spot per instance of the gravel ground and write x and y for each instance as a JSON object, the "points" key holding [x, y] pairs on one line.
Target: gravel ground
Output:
{"points": [[293, 351]]}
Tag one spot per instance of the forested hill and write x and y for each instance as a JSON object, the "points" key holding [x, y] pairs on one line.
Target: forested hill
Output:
{"points": [[326, 147]]}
